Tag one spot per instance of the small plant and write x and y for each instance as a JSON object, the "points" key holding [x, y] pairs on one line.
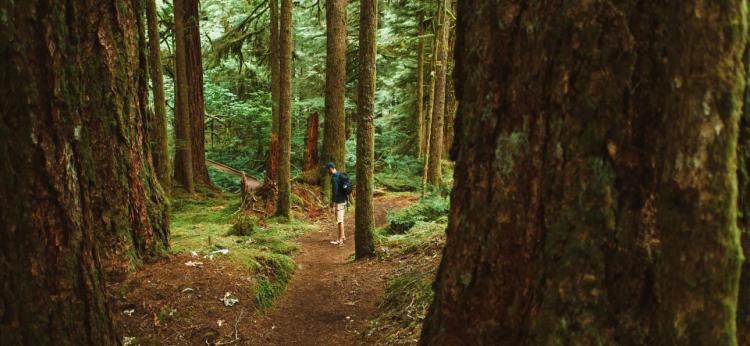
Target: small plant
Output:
{"points": [[429, 208], [245, 225]]}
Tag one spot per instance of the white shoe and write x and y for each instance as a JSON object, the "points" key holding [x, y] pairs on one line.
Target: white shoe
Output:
{"points": [[336, 242]]}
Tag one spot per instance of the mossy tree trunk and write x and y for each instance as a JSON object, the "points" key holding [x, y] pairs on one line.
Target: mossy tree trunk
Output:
{"points": [[595, 146], [183, 154], [159, 140], [364, 218], [273, 150], [419, 133], [435, 152], [283, 207], [743, 211], [78, 188], [196, 104], [334, 134]]}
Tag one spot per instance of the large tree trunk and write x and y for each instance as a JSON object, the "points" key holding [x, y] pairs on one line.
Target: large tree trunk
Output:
{"points": [[194, 68], [183, 155], [273, 150], [434, 171], [743, 208], [334, 134], [283, 207], [425, 149], [595, 149], [159, 141], [419, 134], [363, 216], [77, 182], [310, 158]]}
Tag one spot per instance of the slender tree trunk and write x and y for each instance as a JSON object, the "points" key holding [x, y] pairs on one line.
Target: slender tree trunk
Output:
{"points": [[183, 155], [434, 171], [273, 151], [364, 219], [598, 175], [283, 207], [334, 135], [310, 162], [158, 132], [194, 63], [430, 99], [75, 175], [420, 81], [450, 93]]}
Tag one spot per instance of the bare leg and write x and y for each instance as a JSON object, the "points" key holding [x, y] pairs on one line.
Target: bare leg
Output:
{"points": [[342, 236]]}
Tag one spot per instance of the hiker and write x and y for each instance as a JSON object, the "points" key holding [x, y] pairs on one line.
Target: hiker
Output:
{"points": [[340, 189]]}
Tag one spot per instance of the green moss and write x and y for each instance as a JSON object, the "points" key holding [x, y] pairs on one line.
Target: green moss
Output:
{"points": [[429, 208]]}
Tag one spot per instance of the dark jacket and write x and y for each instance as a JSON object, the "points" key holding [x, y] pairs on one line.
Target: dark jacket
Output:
{"points": [[337, 195]]}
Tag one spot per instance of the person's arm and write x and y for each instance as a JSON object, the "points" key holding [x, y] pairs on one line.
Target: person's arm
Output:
{"points": [[334, 190]]}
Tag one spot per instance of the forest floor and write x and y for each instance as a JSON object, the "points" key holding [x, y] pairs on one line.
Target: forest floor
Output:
{"points": [[188, 297]]}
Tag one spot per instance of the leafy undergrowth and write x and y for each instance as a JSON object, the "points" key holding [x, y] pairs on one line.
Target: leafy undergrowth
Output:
{"points": [[217, 254], [416, 254], [208, 226]]}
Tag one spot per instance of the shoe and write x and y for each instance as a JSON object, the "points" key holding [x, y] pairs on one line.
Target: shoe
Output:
{"points": [[336, 242]]}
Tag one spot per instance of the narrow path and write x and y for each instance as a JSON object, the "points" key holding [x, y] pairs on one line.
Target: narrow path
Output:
{"points": [[331, 298]]}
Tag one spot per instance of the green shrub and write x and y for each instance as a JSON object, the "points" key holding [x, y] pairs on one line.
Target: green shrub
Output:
{"points": [[244, 225], [429, 208]]}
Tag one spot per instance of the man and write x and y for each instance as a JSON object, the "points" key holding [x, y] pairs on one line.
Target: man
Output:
{"points": [[338, 200]]}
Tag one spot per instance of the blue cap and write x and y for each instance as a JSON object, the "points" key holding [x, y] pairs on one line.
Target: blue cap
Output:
{"points": [[330, 165]]}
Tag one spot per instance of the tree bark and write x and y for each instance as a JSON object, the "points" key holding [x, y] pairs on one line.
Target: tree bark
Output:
{"points": [[310, 162], [194, 68], [434, 171], [364, 219], [450, 92], [77, 184], [430, 97], [743, 208], [595, 146], [159, 140], [334, 134], [183, 154], [273, 151], [283, 207], [420, 81]]}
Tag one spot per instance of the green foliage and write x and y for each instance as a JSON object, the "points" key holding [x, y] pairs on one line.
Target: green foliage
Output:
{"points": [[429, 208], [245, 225], [205, 224]]}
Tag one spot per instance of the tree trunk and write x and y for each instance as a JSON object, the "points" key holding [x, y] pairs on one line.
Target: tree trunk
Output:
{"points": [[743, 207], [420, 81], [159, 141], [77, 184], [434, 171], [310, 162], [450, 93], [273, 151], [183, 155], [598, 175], [430, 98], [194, 70], [334, 135], [364, 219], [283, 207]]}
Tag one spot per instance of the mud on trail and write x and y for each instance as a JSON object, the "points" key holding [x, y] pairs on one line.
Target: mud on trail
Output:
{"points": [[329, 301], [331, 298]]}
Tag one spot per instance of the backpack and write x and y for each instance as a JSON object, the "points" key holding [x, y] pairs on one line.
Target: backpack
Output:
{"points": [[345, 184]]}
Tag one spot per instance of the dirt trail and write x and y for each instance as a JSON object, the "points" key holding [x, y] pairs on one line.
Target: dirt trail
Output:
{"points": [[331, 298]]}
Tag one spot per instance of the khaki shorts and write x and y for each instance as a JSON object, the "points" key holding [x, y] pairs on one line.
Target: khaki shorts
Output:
{"points": [[340, 211]]}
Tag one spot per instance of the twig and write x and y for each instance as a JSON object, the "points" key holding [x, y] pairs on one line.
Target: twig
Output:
{"points": [[236, 334]]}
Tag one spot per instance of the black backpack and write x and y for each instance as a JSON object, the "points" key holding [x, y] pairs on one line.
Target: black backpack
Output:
{"points": [[345, 184]]}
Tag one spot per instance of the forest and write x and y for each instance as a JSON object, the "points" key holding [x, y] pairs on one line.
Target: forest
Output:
{"points": [[374, 172]]}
